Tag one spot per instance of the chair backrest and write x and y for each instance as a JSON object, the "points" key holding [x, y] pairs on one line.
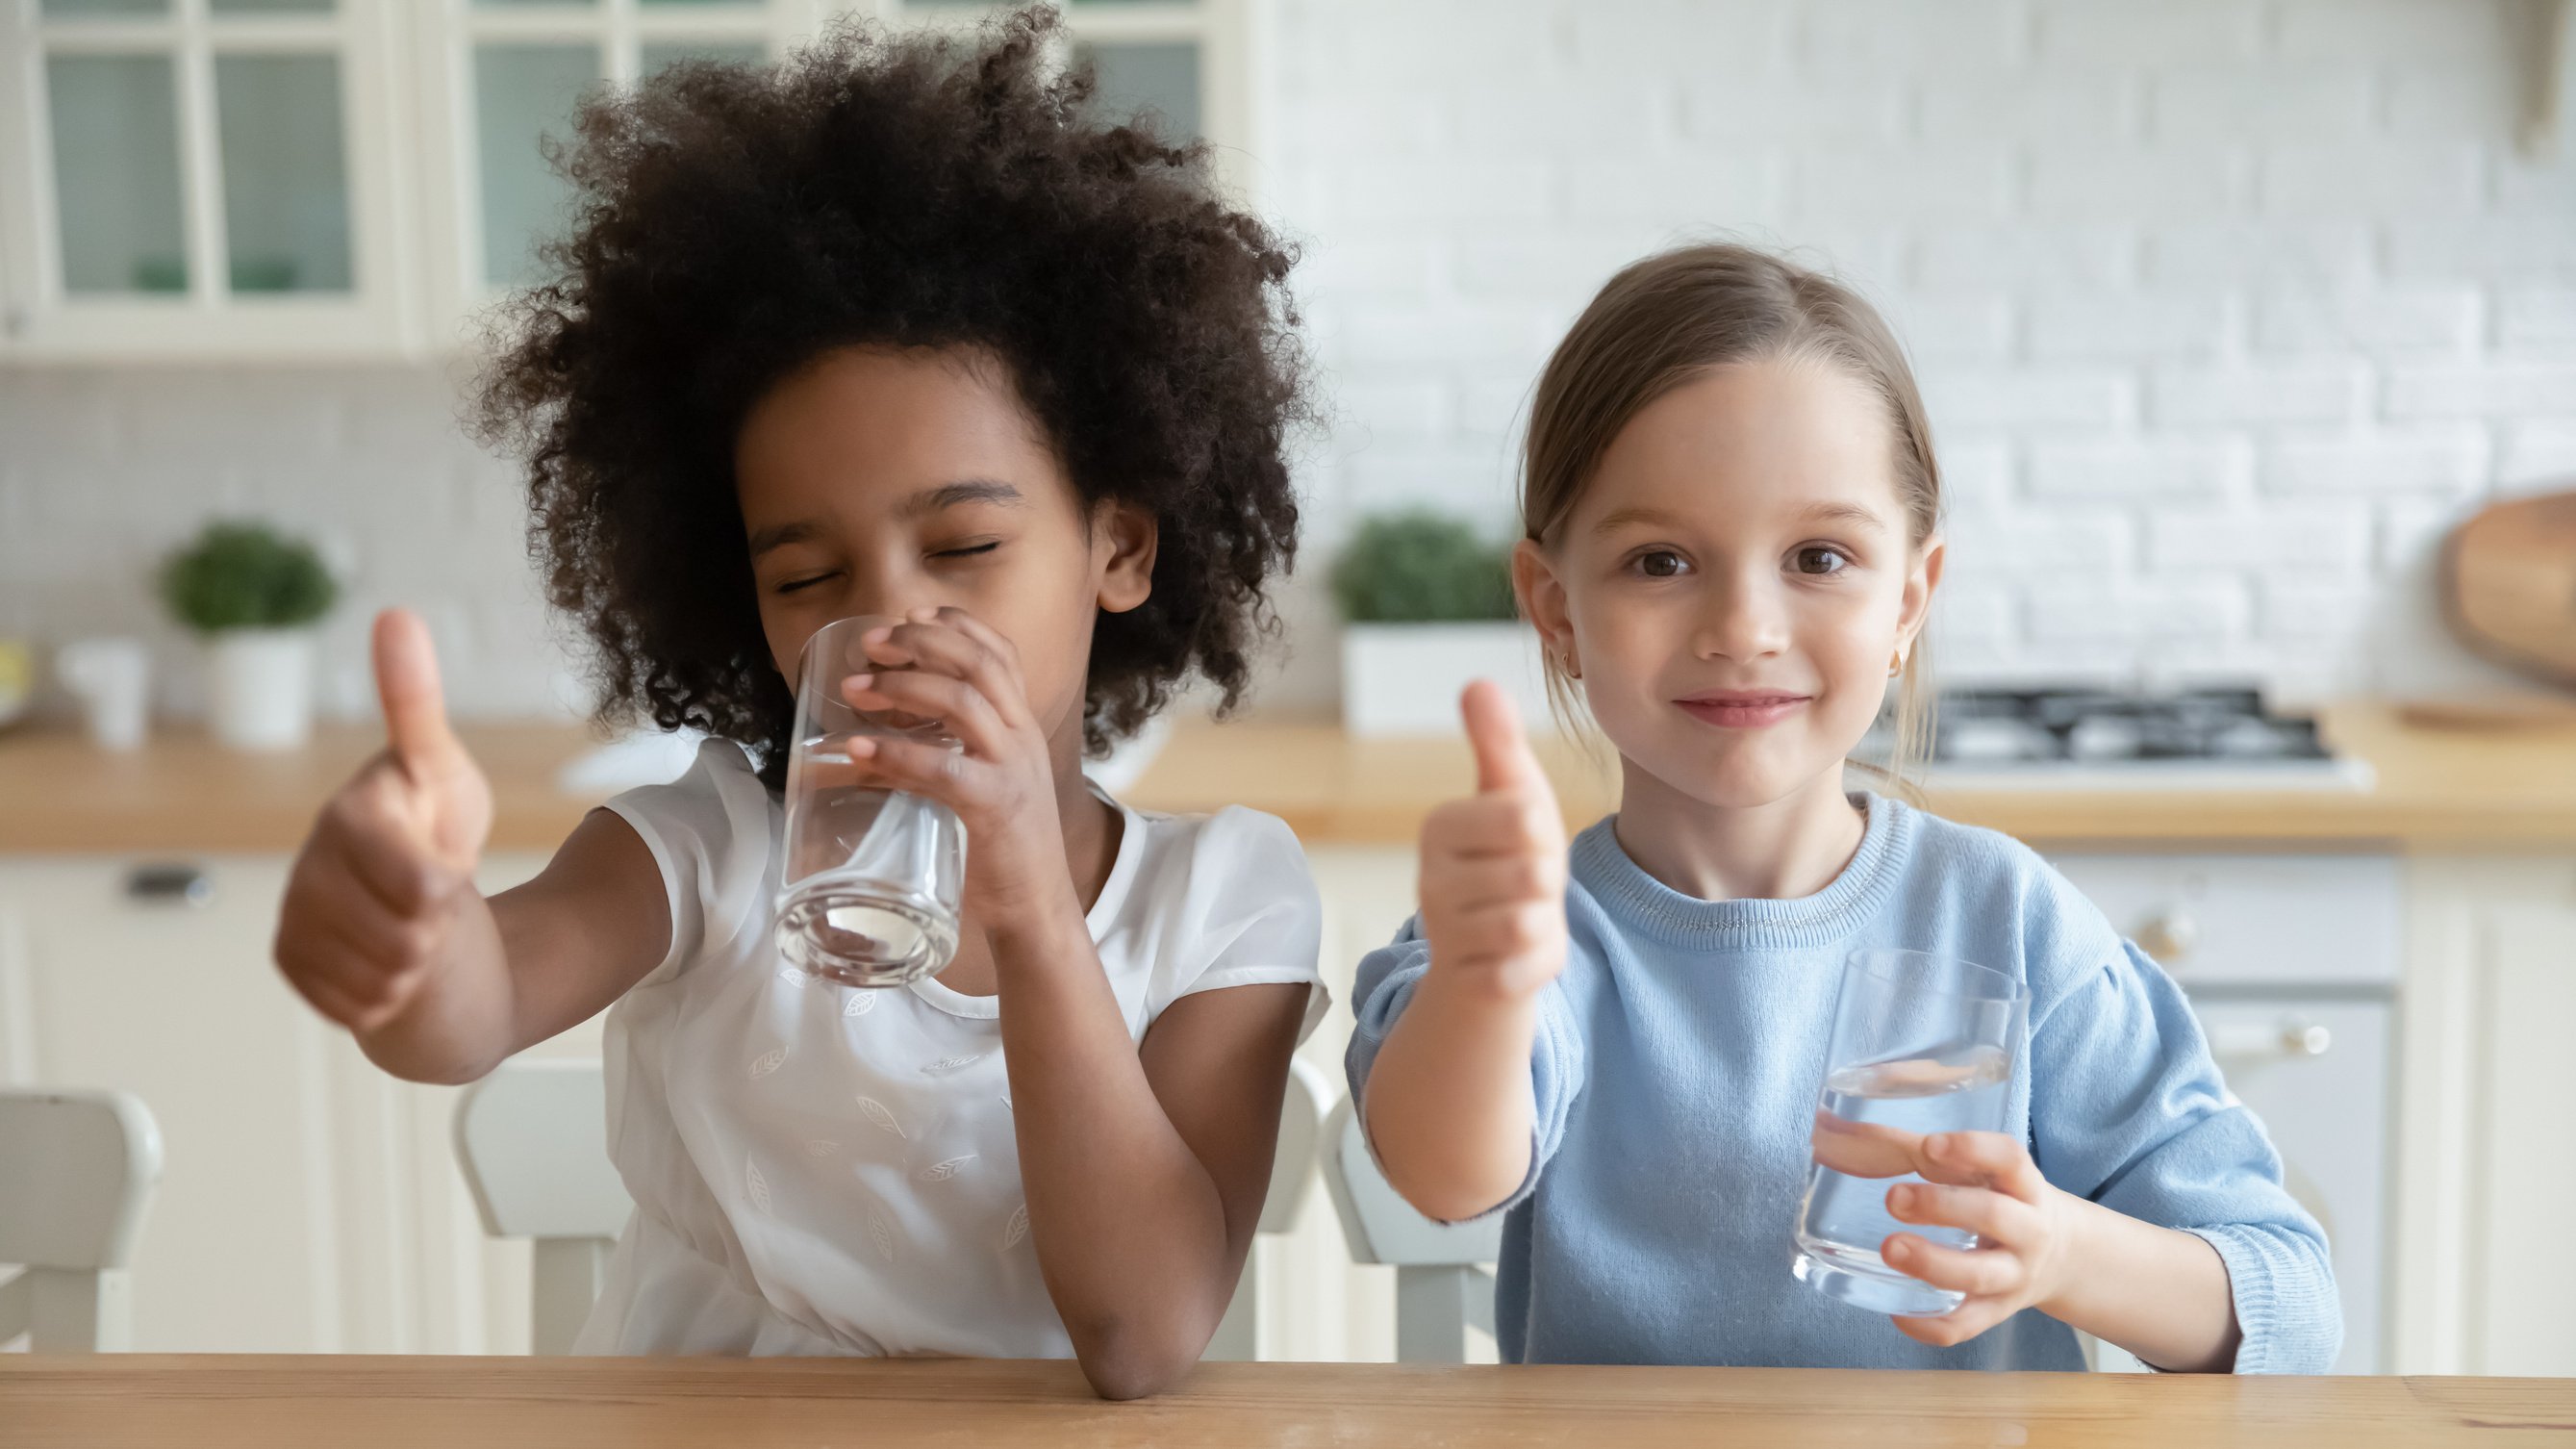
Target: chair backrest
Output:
{"points": [[1292, 1169], [77, 1171], [532, 1139], [1441, 1286]]}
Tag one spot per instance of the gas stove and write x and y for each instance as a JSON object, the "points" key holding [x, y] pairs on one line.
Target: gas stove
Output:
{"points": [[2094, 738]]}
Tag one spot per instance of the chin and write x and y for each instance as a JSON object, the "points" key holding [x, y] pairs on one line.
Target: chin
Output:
{"points": [[1731, 779]]}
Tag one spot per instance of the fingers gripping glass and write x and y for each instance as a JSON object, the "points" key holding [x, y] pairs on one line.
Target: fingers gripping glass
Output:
{"points": [[872, 876], [1921, 1044]]}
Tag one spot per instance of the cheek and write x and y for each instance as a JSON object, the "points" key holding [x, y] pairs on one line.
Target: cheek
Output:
{"points": [[1852, 638]]}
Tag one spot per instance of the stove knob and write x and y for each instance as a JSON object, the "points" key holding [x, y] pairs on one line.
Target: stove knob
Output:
{"points": [[2169, 937]]}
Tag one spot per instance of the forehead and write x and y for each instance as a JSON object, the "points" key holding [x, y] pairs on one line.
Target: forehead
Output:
{"points": [[873, 423], [1751, 443]]}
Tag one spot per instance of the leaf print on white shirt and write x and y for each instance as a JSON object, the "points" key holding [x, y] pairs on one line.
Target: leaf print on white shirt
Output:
{"points": [[945, 1065], [942, 1171], [883, 1232], [821, 1147], [1006, 1103], [1017, 1228], [767, 1062], [756, 1184], [877, 1115], [861, 1002], [793, 976]]}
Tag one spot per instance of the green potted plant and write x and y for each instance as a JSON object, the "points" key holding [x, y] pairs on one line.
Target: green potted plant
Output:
{"points": [[252, 595], [1426, 605]]}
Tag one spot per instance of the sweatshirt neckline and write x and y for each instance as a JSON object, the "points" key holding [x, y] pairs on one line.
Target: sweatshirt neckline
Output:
{"points": [[1653, 909]]}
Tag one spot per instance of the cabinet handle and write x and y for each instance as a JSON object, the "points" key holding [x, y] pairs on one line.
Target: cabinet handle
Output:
{"points": [[2169, 937], [2293, 1039], [169, 885]]}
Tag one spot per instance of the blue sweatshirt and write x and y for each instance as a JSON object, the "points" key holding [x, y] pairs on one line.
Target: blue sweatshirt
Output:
{"points": [[1676, 1068]]}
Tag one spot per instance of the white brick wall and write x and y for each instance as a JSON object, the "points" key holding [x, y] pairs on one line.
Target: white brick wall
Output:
{"points": [[2225, 308], [102, 471]]}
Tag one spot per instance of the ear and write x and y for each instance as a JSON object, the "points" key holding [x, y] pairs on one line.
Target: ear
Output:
{"points": [[1123, 540], [1920, 582], [1542, 601]]}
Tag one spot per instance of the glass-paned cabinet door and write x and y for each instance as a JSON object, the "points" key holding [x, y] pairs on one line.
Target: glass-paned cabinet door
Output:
{"points": [[1177, 66], [199, 178], [509, 78]]}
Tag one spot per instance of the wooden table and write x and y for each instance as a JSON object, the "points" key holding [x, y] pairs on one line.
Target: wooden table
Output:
{"points": [[500, 1403]]}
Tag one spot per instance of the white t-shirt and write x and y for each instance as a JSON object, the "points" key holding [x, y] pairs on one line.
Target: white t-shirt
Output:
{"points": [[823, 1169]]}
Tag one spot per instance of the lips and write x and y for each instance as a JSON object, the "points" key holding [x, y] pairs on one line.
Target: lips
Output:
{"points": [[1743, 708]]}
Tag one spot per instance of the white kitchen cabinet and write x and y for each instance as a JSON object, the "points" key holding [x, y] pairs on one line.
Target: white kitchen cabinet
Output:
{"points": [[2486, 1177], [198, 178], [308, 1201], [299, 179]]}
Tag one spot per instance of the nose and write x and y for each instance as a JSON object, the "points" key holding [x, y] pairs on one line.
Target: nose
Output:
{"points": [[884, 590], [1744, 617]]}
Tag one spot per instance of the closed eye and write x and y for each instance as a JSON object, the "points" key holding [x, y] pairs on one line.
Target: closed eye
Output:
{"points": [[969, 551], [789, 586]]}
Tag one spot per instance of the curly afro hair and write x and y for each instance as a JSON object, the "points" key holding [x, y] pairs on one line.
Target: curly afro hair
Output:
{"points": [[937, 191]]}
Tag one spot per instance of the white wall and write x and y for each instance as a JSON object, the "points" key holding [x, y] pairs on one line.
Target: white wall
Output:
{"points": [[2224, 307]]}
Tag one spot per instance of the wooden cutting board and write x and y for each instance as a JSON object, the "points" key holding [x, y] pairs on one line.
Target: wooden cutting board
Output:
{"points": [[2509, 585]]}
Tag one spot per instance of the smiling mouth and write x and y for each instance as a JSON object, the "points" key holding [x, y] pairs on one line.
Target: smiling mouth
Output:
{"points": [[1743, 709]]}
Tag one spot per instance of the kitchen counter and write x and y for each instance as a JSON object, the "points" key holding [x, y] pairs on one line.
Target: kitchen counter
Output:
{"points": [[2439, 790], [182, 791], [209, 1403]]}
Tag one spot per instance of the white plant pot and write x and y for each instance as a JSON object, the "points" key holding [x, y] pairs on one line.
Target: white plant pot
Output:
{"points": [[1404, 679], [259, 687]]}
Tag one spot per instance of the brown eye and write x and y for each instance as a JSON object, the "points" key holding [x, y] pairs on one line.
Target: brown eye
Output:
{"points": [[1820, 560], [1661, 564]]}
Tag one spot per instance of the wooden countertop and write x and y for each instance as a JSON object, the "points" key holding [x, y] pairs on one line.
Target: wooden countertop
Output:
{"points": [[2438, 790], [182, 791], [384, 1403], [2445, 789]]}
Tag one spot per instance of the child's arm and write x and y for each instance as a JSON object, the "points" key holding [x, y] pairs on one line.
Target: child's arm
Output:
{"points": [[1145, 1168], [1448, 1103], [2161, 1225], [2157, 1292], [383, 931]]}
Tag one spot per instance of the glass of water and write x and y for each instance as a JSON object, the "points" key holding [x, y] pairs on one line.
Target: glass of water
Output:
{"points": [[1921, 1044], [872, 878]]}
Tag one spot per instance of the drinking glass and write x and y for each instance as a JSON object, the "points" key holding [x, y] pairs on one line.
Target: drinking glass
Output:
{"points": [[1921, 1044], [871, 883]]}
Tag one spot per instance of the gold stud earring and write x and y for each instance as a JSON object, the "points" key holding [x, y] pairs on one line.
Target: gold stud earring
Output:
{"points": [[1896, 666], [1572, 669]]}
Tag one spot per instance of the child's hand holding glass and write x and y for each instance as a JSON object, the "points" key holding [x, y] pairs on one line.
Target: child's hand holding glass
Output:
{"points": [[943, 664], [1986, 1184]]}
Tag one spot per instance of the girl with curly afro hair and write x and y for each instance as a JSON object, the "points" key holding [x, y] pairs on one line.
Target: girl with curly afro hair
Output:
{"points": [[901, 328]]}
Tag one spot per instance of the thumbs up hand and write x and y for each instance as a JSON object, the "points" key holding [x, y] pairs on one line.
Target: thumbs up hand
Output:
{"points": [[1493, 864], [377, 892]]}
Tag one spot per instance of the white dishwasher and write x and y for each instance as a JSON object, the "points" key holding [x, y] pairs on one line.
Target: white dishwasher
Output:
{"points": [[2291, 963]]}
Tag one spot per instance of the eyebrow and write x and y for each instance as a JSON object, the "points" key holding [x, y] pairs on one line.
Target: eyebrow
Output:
{"points": [[919, 505], [1851, 513]]}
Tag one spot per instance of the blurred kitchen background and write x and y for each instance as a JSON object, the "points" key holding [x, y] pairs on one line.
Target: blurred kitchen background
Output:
{"points": [[2229, 312]]}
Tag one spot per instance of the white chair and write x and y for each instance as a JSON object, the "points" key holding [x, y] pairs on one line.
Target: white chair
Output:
{"points": [[1442, 1287], [533, 1140], [1292, 1167], [77, 1171]]}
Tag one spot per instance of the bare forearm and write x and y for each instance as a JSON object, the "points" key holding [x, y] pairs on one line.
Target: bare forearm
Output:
{"points": [[459, 1025], [1129, 1225], [2157, 1292], [1449, 1107]]}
